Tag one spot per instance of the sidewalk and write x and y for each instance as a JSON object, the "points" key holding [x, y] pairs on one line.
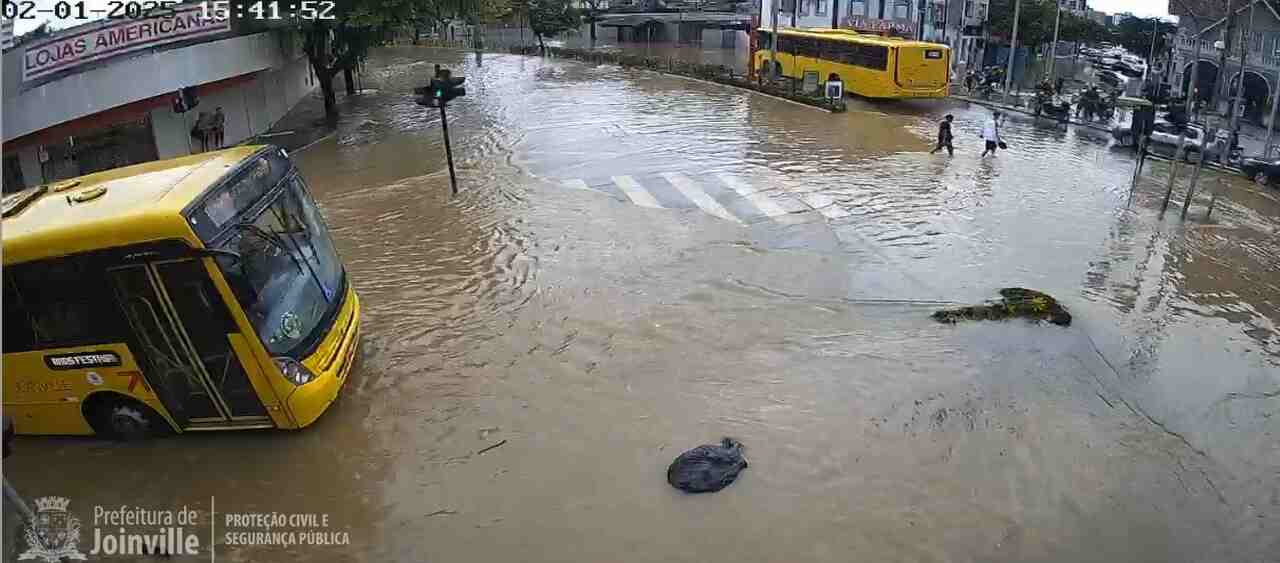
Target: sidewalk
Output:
{"points": [[1021, 103], [304, 125]]}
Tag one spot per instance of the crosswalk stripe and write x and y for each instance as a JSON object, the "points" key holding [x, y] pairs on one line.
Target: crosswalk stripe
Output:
{"points": [[695, 193], [825, 204], [762, 202], [577, 184], [635, 192]]}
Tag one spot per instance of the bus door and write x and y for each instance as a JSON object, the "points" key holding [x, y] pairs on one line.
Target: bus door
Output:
{"points": [[182, 327]]}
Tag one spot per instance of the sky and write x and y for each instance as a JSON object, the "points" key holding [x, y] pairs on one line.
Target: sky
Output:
{"points": [[1140, 8]]}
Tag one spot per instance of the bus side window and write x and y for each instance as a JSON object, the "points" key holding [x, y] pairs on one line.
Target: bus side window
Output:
{"points": [[66, 303], [18, 336]]}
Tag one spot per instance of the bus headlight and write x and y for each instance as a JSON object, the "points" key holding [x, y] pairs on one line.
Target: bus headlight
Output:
{"points": [[294, 371]]}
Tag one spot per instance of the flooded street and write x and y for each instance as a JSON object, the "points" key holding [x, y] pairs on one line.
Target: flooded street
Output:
{"points": [[638, 264]]}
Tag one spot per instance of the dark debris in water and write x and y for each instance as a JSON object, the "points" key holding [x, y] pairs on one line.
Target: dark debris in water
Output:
{"points": [[1014, 302], [707, 468]]}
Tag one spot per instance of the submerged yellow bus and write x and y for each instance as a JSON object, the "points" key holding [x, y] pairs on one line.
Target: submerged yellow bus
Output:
{"points": [[870, 66], [197, 293]]}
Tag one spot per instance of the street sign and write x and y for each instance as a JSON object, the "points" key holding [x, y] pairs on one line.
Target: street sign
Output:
{"points": [[810, 83], [835, 89]]}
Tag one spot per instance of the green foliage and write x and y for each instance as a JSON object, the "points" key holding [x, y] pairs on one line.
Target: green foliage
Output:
{"points": [[1035, 20], [1035, 23], [1135, 34], [549, 18]]}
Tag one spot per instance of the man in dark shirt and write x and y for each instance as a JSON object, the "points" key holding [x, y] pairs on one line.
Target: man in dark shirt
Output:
{"points": [[944, 136]]}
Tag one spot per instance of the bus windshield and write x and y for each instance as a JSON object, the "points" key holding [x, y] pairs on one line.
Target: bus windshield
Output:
{"points": [[287, 274]]}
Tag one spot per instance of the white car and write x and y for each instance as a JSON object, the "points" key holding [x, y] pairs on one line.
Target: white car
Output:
{"points": [[1166, 134]]}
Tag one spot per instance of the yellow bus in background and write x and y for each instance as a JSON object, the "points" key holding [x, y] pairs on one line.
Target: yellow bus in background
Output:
{"points": [[197, 293], [870, 66]]}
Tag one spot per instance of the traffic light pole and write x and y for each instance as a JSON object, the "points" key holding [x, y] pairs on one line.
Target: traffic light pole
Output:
{"points": [[448, 151]]}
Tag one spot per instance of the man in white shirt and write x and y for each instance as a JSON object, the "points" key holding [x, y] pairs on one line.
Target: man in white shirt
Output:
{"points": [[991, 134]]}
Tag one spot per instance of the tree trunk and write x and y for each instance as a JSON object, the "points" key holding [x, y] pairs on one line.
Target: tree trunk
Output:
{"points": [[330, 97], [350, 80], [417, 34], [593, 30], [542, 49]]}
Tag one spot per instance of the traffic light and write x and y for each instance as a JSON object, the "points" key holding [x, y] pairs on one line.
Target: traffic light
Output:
{"points": [[443, 87], [447, 87], [426, 95]]}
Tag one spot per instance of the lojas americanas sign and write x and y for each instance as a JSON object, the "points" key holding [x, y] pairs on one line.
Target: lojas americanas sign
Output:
{"points": [[117, 37]]}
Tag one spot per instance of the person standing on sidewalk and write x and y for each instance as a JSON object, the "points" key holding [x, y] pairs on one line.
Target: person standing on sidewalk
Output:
{"points": [[991, 134], [219, 127], [944, 136]]}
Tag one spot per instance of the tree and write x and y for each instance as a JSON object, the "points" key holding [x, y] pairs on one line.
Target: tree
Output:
{"points": [[341, 43], [549, 18], [1035, 20], [37, 33], [1082, 30], [1135, 34]]}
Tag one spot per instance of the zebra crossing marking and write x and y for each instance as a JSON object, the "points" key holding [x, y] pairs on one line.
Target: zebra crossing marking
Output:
{"points": [[635, 192], [726, 197], [762, 202], [695, 193]]}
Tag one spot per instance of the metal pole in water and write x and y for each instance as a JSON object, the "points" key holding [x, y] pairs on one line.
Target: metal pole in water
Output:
{"points": [[1213, 199], [1195, 176], [448, 151], [1271, 122], [1137, 169], [1013, 46], [1173, 171]]}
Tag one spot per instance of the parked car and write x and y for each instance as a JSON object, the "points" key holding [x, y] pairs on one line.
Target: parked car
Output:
{"points": [[1129, 69], [1110, 78], [1165, 134], [1265, 172]]}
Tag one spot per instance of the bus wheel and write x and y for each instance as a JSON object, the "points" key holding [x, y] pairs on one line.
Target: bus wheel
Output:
{"points": [[121, 418]]}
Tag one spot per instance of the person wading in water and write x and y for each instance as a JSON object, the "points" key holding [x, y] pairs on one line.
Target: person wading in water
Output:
{"points": [[944, 136]]}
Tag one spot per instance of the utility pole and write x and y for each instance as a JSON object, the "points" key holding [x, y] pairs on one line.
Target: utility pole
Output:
{"points": [[946, 19], [1151, 57], [1223, 81], [773, 39], [1053, 54], [1233, 121], [1013, 50], [1271, 121]]}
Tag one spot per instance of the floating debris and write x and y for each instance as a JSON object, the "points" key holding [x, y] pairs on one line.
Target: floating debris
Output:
{"points": [[1015, 302], [707, 468]]}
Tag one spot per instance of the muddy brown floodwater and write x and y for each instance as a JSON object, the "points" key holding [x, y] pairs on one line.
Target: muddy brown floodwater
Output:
{"points": [[600, 338]]}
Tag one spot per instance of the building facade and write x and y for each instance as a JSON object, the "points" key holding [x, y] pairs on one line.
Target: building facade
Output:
{"points": [[1259, 24], [1077, 7], [102, 95]]}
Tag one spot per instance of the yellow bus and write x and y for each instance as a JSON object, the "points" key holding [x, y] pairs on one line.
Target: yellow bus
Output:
{"points": [[870, 66], [197, 293]]}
